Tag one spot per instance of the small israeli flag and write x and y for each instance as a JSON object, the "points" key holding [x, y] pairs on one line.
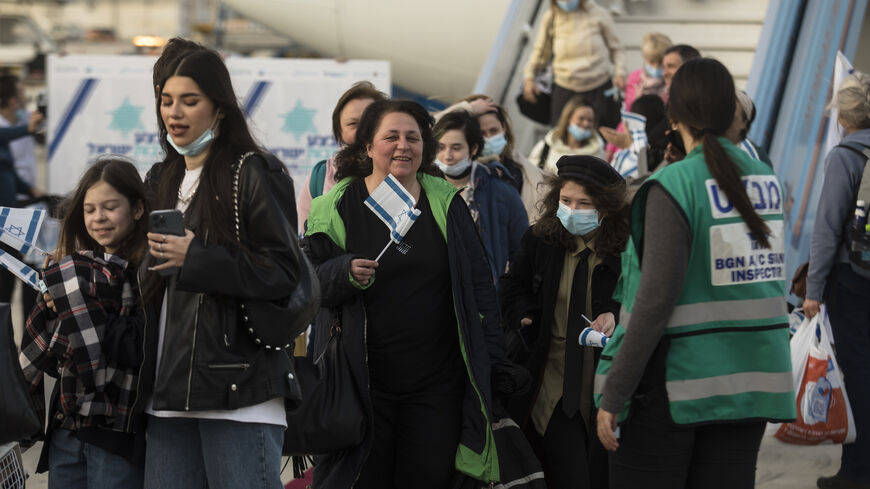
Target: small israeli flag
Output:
{"points": [[19, 228], [20, 270], [626, 161], [749, 149], [394, 206]]}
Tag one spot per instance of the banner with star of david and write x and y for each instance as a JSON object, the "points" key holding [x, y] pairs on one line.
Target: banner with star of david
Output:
{"points": [[105, 105]]}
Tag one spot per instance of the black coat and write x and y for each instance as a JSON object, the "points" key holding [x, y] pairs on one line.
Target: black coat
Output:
{"points": [[477, 312], [208, 361], [530, 289]]}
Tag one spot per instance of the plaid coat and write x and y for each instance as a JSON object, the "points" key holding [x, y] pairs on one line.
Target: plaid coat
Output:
{"points": [[88, 289]]}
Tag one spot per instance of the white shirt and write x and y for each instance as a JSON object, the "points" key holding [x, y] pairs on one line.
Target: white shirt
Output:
{"points": [[269, 412]]}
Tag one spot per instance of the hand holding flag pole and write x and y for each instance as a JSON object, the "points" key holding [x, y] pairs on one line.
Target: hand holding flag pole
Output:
{"points": [[405, 221]]}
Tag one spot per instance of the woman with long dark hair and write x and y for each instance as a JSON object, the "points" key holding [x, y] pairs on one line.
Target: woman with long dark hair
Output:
{"points": [[566, 268], [700, 356], [420, 324], [214, 395]]}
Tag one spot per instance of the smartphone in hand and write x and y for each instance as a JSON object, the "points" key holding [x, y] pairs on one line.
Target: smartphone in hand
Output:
{"points": [[167, 222]]}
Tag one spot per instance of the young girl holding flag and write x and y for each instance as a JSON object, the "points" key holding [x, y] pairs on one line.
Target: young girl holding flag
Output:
{"points": [[86, 332]]}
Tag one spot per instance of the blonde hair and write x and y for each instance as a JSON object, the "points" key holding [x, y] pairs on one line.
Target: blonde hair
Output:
{"points": [[577, 101], [654, 46], [853, 100]]}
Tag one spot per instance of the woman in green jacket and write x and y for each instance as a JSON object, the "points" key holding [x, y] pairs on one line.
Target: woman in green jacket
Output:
{"points": [[420, 324]]}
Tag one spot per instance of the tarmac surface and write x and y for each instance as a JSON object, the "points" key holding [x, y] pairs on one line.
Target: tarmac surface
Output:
{"points": [[780, 466]]}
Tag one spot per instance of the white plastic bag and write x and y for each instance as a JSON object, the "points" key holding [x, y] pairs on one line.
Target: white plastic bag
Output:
{"points": [[823, 411]]}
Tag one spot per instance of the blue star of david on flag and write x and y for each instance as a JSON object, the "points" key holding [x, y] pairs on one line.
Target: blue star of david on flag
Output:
{"points": [[19, 228]]}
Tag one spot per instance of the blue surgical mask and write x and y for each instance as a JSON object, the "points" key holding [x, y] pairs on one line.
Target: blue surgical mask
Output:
{"points": [[21, 116], [568, 6], [653, 72], [579, 133], [494, 145], [196, 146], [456, 170], [578, 222]]}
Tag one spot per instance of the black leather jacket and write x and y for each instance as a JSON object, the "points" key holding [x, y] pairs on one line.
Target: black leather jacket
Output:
{"points": [[208, 362]]}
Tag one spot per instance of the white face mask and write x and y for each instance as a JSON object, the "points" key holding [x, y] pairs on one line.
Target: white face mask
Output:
{"points": [[455, 170]]}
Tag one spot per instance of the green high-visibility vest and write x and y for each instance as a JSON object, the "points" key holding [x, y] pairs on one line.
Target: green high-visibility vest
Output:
{"points": [[728, 356]]}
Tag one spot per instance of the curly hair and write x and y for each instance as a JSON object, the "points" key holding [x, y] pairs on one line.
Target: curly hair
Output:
{"points": [[611, 202], [353, 160]]}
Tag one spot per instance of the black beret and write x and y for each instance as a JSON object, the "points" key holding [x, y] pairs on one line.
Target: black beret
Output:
{"points": [[589, 169]]}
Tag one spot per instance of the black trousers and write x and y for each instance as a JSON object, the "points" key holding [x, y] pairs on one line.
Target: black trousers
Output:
{"points": [[607, 110], [848, 300], [570, 456], [654, 453], [414, 440]]}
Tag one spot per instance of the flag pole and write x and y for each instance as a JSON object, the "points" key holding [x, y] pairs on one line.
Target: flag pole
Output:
{"points": [[384, 250]]}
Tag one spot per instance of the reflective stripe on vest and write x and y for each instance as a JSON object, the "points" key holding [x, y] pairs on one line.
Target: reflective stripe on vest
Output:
{"points": [[739, 310], [705, 312], [724, 385], [728, 385], [600, 379]]}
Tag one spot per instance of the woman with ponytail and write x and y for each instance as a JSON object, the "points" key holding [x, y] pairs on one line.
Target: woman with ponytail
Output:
{"points": [[700, 357]]}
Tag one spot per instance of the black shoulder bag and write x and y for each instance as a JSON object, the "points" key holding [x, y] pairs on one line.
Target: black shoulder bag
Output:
{"points": [[330, 417], [19, 414], [276, 324]]}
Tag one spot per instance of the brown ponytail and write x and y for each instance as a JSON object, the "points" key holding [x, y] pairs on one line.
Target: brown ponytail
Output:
{"points": [[702, 97], [728, 178]]}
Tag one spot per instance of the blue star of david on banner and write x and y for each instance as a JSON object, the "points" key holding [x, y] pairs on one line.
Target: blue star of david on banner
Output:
{"points": [[126, 117], [299, 120]]}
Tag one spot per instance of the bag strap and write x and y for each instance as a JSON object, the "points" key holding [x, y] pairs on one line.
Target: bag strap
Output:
{"points": [[544, 154], [550, 40], [315, 182], [236, 174], [864, 187]]}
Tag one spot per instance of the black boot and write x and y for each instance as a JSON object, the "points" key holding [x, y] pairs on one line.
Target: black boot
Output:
{"points": [[840, 482]]}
